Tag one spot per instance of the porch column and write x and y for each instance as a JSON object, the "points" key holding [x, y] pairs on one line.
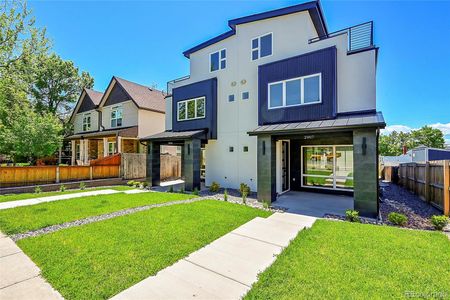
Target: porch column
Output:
{"points": [[105, 147], [365, 176], [266, 169], [82, 151], [191, 164], [86, 152], [153, 163], [119, 144], [73, 144]]}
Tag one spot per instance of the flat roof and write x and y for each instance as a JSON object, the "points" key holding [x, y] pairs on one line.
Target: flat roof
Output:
{"points": [[174, 135]]}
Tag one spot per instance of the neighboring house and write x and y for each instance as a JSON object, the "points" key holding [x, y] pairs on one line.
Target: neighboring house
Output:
{"points": [[422, 154], [279, 103], [395, 161], [112, 122]]}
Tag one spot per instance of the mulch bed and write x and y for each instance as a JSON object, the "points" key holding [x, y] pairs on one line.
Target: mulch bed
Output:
{"points": [[397, 199]]}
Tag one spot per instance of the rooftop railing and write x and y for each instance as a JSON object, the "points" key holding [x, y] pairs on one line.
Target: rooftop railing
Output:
{"points": [[360, 37], [171, 83]]}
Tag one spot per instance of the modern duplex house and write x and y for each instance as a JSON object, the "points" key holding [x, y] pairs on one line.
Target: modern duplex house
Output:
{"points": [[279, 103], [112, 122]]}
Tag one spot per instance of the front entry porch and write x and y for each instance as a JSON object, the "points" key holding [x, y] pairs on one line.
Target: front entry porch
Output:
{"points": [[314, 204]]}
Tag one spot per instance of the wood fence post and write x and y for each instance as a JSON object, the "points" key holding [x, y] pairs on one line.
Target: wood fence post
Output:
{"points": [[446, 186], [414, 188], [91, 173], [57, 174], [427, 182]]}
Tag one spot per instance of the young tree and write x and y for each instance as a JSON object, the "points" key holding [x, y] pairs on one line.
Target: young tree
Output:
{"points": [[57, 85], [428, 136]]}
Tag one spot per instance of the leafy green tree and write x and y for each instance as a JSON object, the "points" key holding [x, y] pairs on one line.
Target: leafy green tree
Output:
{"points": [[57, 85], [428, 136]]}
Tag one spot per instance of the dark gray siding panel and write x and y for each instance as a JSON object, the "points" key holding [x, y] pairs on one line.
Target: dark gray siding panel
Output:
{"points": [[206, 88], [321, 61], [86, 104], [117, 95], [435, 154]]}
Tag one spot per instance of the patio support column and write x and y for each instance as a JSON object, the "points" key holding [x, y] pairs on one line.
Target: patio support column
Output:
{"points": [[153, 163], [74, 150], [191, 164], [119, 144], [82, 152], [105, 147], [365, 172], [266, 169]]}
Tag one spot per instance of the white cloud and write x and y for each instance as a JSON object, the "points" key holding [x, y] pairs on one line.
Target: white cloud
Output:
{"points": [[445, 128]]}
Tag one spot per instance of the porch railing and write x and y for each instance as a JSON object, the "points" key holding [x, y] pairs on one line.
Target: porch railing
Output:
{"points": [[360, 37]]}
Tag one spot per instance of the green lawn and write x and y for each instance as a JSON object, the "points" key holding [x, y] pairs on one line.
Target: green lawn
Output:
{"points": [[23, 196], [355, 261], [26, 218], [99, 260]]}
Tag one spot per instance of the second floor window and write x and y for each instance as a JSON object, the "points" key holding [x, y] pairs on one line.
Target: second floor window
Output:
{"points": [[86, 122], [297, 91], [116, 116], [218, 60], [191, 109], [262, 46]]}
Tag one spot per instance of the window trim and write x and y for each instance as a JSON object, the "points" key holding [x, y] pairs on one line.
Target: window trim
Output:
{"points": [[113, 148], [186, 116], [111, 118], [220, 60], [302, 94], [259, 46], [85, 115]]}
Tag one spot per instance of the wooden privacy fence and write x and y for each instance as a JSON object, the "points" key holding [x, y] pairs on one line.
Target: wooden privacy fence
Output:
{"points": [[22, 176], [431, 181], [133, 165], [170, 166]]}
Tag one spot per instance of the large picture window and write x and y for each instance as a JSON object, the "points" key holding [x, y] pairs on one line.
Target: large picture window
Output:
{"points": [[191, 109], [327, 167], [116, 116], [87, 122], [297, 91]]}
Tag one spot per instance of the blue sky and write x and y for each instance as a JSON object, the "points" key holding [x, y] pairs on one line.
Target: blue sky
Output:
{"points": [[143, 42]]}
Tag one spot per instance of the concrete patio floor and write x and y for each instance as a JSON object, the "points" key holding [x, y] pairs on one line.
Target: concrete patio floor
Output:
{"points": [[314, 204]]}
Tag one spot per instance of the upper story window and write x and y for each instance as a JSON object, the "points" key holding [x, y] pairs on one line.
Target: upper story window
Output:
{"points": [[262, 46], [191, 109], [297, 91], [86, 122], [116, 116], [218, 60]]}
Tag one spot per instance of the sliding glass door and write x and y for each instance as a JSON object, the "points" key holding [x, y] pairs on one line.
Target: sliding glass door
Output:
{"points": [[329, 167]]}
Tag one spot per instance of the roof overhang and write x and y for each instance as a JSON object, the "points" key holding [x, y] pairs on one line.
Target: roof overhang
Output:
{"points": [[350, 122], [131, 132], [314, 8], [175, 136]]}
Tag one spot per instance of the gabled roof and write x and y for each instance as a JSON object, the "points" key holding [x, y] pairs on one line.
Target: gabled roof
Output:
{"points": [[93, 96], [143, 96], [313, 7]]}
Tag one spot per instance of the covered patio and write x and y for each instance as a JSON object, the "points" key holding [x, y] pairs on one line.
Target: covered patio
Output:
{"points": [[314, 204]]}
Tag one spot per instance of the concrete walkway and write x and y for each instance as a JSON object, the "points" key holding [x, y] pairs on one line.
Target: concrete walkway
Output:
{"points": [[33, 201], [226, 268], [19, 276]]}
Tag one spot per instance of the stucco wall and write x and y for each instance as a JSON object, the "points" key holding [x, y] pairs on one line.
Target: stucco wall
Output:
{"points": [[78, 121], [150, 122], [130, 114]]}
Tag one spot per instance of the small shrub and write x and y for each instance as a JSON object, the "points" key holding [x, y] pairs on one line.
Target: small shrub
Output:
{"points": [[244, 198], [182, 190], [244, 188], [82, 186], [214, 188], [439, 222], [352, 215], [195, 192], [130, 183], [265, 204], [37, 190], [137, 184], [144, 184], [170, 189], [62, 188], [397, 219], [225, 195]]}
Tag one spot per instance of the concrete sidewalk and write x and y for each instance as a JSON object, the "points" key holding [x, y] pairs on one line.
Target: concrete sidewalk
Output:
{"points": [[226, 268], [12, 204], [19, 276]]}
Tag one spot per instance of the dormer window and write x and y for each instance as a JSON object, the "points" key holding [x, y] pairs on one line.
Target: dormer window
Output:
{"points": [[116, 116], [218, 60], [262, 46], [87, 122]]}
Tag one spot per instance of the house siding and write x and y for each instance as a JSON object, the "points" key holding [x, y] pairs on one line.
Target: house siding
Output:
{"points": [[129, 118], [78, 121]]}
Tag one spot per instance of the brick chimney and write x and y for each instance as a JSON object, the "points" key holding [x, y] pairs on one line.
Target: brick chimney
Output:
{"points": [[404, 149]]}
